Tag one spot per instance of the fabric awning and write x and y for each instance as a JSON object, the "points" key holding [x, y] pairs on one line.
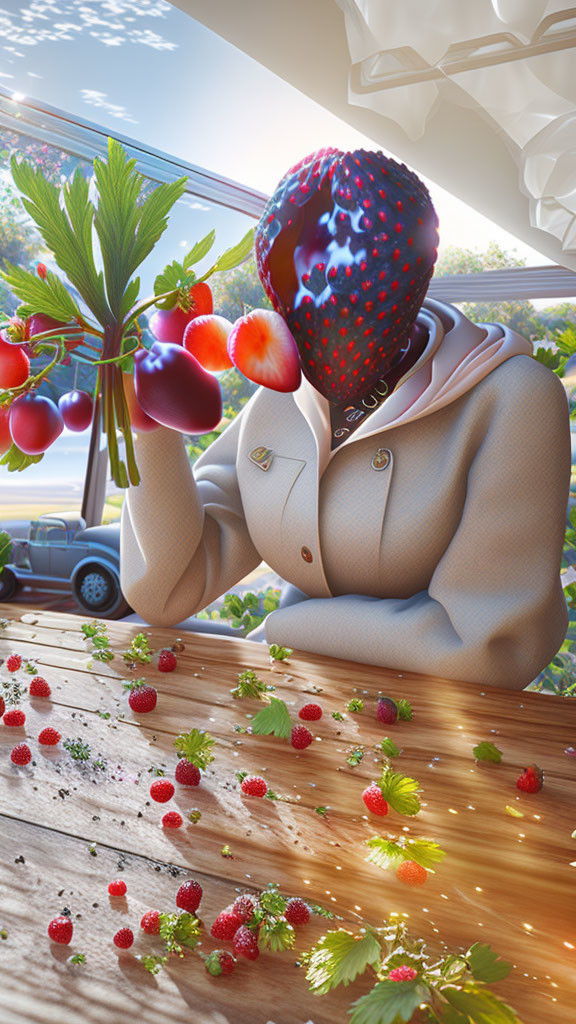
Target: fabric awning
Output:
{"points": [[477, 95]]}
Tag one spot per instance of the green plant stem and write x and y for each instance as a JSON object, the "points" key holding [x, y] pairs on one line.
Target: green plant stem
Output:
{"points": [[115, 359], [145, 304], [123, 417]]}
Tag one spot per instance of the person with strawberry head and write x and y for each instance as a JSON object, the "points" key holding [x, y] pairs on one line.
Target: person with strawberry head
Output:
{"points": [[405, 471]]}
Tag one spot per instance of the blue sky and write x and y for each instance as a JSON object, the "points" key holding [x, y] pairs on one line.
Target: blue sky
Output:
{"points": [[150, 72]]}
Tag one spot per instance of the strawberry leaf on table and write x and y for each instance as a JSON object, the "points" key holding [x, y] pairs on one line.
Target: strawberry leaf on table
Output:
{"points": [[127, 231], [339, 957], [276, 935], [196, 747], [479, 1005], [388, 747], [66, 231], [273, 720], [405, 712], [391, 851], [400, 792], [486, 751], [389, 1002], [249, 685], [485, 965]]}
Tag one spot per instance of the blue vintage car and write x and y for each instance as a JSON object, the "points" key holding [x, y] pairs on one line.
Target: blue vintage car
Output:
{"points": [[62, 553]]}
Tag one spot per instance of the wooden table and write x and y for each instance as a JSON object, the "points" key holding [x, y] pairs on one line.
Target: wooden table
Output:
{"points": [[508, 881]]}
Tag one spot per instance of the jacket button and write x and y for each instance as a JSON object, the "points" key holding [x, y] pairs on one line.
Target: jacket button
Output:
{"points": [[306, 554]]}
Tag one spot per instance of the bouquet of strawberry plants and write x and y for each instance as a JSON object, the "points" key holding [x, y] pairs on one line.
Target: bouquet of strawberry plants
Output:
{"points": [[136, 385]]}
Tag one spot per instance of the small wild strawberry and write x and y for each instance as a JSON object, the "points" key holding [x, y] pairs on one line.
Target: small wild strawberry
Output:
{"points": [[162, 790], [60, 930], [301, 737], [188, 896], [117, 888], [124, 938], [39, 687], [167, 660]]}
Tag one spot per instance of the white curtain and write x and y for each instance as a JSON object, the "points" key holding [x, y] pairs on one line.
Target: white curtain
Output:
{"points": [[511, 61]]}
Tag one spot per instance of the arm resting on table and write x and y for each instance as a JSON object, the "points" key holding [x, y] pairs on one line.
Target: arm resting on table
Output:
{"points": [[184, 539], [494, 612]]}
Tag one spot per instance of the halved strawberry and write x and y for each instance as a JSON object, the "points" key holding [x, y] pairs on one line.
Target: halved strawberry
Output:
{"points": [[206, 337], [168, 325], [262, 347]]}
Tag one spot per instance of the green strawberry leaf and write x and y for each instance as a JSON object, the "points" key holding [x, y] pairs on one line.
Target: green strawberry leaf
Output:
{"points": [[390, 852], [16, 460], [200, 250], [400, 792], [168, 281], [479, 1005], [276, 935], [485, 964], [339, 957], [127, 231], [486, 751], [388, 747], [405, 712], [196, 747], [48, 296], [233, 256], [273, 720], [389, 1002]]}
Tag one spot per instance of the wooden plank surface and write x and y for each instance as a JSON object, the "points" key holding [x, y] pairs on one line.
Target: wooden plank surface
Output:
{"points": [[506, 881]]}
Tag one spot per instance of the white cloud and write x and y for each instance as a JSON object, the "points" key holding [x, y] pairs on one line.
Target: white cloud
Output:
{"points": [[94, 98]]}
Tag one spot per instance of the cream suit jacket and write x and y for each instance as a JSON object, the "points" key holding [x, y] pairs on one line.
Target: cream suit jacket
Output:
{"points": [[444, 561]]}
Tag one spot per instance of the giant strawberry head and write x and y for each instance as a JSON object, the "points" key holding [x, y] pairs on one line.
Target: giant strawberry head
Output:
{"points": [[345, 251]]}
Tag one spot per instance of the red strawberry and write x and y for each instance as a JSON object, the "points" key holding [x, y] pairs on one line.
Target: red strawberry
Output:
{"points": [[41, 270], [187, 774], [226, 925], [245, 943], [219, 962], [244, 908], [345, 250], [49, 737], [39, 323], [21, 754], [162, 791], [167, 660], [142, 697], [297, 912], [39, 687], [60, 930], [531, 779], [310, 712], [374, 800], [411, 873], [2, 706], [403, 973], [301, 737], [206, 337], [150, 923], [168, 325], [188, 896], [262, 347], [124, 938], [172, 820], [117, 888], [15, 718], [387, 711], [13, 662], [253, 785]]}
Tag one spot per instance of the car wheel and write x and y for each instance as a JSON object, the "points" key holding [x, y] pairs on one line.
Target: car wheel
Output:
{"points": [[96, 590], [9, 585]]}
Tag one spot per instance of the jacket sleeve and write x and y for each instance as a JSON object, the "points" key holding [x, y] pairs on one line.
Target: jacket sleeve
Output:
{"points": [[184, 539], [494, 611]]}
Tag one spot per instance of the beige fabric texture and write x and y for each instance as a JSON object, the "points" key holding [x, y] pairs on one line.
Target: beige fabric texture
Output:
{"points": [[446, 562]]}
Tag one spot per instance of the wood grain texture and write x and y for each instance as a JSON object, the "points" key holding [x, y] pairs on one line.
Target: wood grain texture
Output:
{"points": [[500, 875]]}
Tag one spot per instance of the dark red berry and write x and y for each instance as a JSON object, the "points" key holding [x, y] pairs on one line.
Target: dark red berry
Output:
{"points": [[219, 962], [244, 908], [167, 660], [310, 712], [39, 687], [187, 774], [387, 711], [49, 737], [531, 779], [245, 943], [253, 785], [188, 896], [297, 912], [162, 790], [226, 925], [60, 930], [14, 718], [172, 820], [117, 888], [301, 737], [150, 922], [13, 662], [21, 754], [374, 800], [143, 699], [124, 938]]}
